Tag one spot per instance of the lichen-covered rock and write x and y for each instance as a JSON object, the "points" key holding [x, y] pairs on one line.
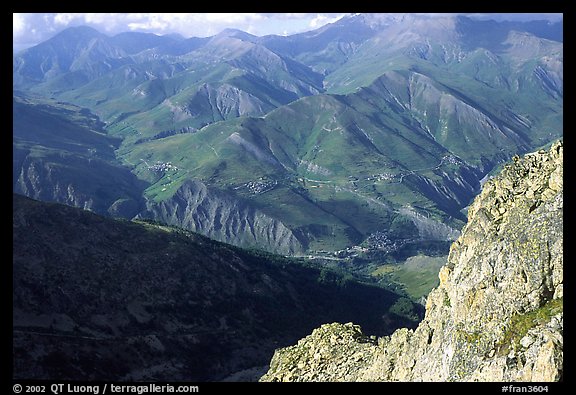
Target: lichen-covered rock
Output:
{"points": [[497, 314]]}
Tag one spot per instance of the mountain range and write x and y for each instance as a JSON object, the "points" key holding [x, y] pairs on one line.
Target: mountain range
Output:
{"points": [[201, 310], [498, 312], [307, 144], [346, 150]]}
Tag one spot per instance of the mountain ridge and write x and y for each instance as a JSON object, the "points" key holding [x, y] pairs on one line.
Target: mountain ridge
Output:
{"points": [[497, 314], [97, 298], [335, 130], [61, 153]]}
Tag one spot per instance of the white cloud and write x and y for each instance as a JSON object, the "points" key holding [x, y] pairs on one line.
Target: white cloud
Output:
{"points": [[199, 25], [229, 17], [18, 24], [322, 19], [32, 28], [186, 24], [61, 18], [153, 22]]}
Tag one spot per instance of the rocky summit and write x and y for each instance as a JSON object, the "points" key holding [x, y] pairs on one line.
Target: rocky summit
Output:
{"points": [[497, 314]]}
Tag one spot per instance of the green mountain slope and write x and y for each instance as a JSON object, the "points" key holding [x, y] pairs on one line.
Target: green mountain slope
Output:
{"points": [[146, 91], [73, 57], [319, 141], [347, 165], [200, 311], [61, 153]]}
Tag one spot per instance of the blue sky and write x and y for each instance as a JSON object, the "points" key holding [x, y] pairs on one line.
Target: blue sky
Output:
{"points": [[32, 28]]}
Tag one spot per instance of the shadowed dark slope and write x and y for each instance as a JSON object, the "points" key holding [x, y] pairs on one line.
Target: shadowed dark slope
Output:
{"points": [[96, 298]]}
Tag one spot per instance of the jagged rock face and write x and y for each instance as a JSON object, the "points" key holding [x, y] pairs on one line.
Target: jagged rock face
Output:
{"points": [[93, 185], [201, 209], [497, 314], [223, 101]]}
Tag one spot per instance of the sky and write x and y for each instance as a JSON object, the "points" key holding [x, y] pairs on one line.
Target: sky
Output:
{"points": [[30, 29]]}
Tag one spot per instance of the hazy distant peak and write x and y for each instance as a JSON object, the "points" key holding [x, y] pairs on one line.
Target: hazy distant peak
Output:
{"points": [[77, 33], [236, 33]]}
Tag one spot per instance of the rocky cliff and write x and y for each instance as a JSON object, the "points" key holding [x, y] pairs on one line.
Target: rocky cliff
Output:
{"points": [[61, 153], [497, 314], [94, 185], [199, 208]]}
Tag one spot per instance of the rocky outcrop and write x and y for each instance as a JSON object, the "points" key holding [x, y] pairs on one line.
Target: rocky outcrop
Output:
{"points": [[497, 314], [224, 101], [428, 228], [61, 153], [201, 209], [90, 184]]}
